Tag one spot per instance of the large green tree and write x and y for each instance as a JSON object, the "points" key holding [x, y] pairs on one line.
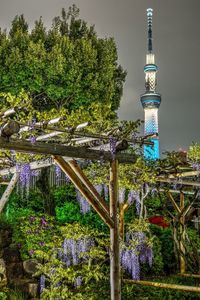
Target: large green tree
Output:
{"points": [[67, 65]]}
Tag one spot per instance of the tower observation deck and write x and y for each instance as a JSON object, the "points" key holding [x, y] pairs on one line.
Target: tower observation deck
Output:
{"points": [[151, 99]]}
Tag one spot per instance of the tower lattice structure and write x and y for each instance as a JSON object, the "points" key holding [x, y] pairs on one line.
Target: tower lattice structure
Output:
{"points": [[151, 99]]}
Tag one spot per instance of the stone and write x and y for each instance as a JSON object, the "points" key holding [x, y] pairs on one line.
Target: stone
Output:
{"points": [[14, 271], [5, 238], [11, 255], [3, 277], [30, 266], [28, 286], [33, 289], [1, 253]]}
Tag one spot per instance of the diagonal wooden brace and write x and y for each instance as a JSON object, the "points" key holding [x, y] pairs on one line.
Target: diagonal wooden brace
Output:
{"points": [[80, 185], [5, 197], [73, 164], [177, 208]]}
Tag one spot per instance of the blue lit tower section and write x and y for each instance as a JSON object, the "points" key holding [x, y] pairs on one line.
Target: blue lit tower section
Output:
{"points": [[151, 99]]}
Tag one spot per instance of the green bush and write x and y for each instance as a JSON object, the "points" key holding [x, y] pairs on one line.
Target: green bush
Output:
{"points": [[34, 233]]}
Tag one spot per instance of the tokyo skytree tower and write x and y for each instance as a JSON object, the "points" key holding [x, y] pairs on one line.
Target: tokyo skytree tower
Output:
{"points": [[151, 99]]}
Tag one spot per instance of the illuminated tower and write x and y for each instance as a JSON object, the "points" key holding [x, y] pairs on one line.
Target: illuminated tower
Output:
{"points": [[151, 99]]}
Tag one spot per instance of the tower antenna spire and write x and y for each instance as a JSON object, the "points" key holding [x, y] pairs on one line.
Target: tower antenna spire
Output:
{"points": [[149, 23]]}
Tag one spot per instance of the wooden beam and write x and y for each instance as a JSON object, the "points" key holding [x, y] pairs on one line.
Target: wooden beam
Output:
{"points": [[33, 165], [177, 191], [189, 275], [183, 182], [8, 191], [84, 190], [173, 202], [73, 164], [115, 277], [164, 285], [184, 174], [57, 149]]}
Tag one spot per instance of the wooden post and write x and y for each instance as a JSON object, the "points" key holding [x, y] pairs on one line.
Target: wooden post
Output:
{"points": [[115, 276], [123, 208], [186, 288], [8, 191], [182, 236]]}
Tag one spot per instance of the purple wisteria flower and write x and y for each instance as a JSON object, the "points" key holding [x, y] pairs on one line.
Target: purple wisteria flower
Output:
{"points": [[106, 191], [131, 197], [122, 192], [84, 205], [43, 221], [31, 252], [78, 281], [113, 144], [99, 188], [141, 252], [42, 283], [73, 251], [58, 174]]}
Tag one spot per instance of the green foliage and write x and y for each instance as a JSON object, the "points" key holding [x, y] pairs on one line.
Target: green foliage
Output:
{"points": [[33, 233], [70, 212], [64, 194], [167, 248], [131, 177], [12, 294], [194, 152], [3, 295], [65, 66]]}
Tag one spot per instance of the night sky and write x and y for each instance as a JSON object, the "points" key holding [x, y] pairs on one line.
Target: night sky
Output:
{"points": [[176, 44]]}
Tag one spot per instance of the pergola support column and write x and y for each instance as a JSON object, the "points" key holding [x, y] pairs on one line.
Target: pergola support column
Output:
{"points": [[5, 197], [115, 274]]}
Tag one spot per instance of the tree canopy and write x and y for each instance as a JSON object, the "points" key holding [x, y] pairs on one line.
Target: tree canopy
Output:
{"points": [[66, 65]]}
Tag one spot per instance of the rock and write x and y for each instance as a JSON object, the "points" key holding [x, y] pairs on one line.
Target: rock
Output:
{"points": [[5, 238], [33, 289], [3, 277], [15, 270], [11, 255], [1, 253], [27, 286], [30, 266]]}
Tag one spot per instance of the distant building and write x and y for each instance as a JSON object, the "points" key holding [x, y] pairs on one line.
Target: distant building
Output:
{"points": [[151, 99]]}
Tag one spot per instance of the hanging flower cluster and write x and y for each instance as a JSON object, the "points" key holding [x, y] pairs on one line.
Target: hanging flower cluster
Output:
{"points": [[25, 174], [133, 196], [84, 205], [73, 251], [58, 173], [137, 249], [113, 143]]}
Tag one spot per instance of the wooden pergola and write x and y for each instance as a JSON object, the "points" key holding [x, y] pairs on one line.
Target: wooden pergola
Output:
{"points": [[65, 157]]}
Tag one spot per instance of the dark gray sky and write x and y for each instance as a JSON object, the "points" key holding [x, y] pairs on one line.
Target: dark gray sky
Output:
{"points": [[176, 32]]}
